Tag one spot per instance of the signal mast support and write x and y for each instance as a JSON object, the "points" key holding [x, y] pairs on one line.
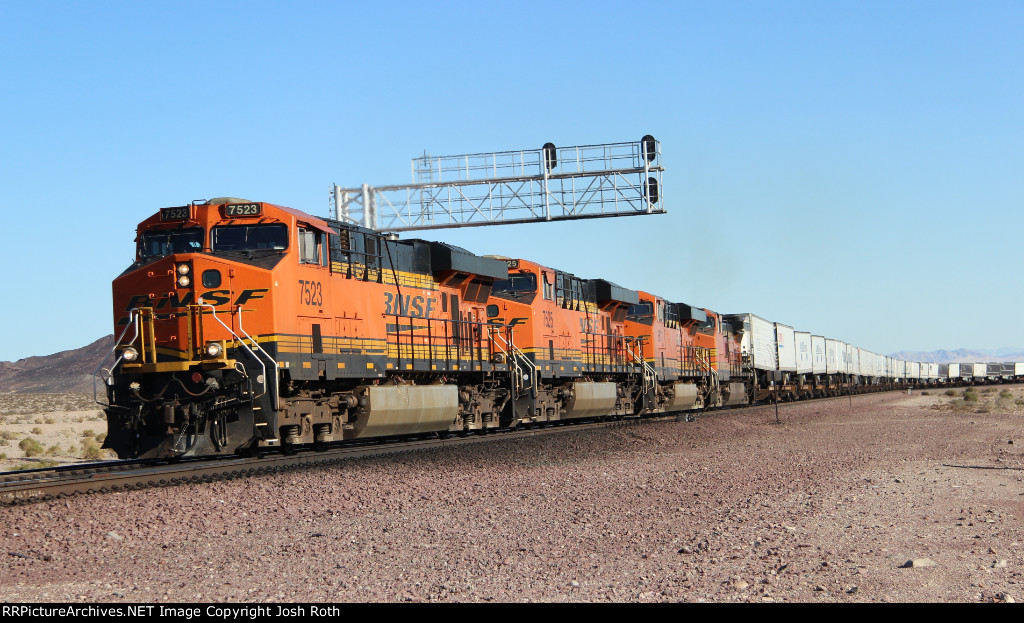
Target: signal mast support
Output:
{"points": [[547, 184]]}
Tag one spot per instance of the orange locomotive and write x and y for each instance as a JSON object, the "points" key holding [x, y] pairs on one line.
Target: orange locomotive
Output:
{"points": [[690, 352], [570, 356], [244, 325]]}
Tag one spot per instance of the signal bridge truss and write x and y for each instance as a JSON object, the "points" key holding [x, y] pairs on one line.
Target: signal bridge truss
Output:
{"points": [[547, 184]]}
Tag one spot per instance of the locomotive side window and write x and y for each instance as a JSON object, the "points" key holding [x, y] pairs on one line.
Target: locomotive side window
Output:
{"points": [[309, 246], [168, 241], [270, 237], [549, 288]]}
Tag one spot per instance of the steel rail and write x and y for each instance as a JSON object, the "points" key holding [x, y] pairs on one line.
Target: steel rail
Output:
{"points": [[51, 483]]}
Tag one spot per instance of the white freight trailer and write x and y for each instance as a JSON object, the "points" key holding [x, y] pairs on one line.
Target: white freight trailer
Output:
{"points": [[867, 363], [758, 342], [819, 360], [831, 356], [804, 363], [786, 343]]}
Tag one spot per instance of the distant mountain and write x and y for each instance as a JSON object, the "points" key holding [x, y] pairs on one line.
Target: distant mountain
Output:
{"points": [[66, 371], [962, 355]]}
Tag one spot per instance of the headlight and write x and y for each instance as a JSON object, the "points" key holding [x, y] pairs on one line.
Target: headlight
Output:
{"points": [[214, 349], [183, 269], [129, 354], [183, 281]]}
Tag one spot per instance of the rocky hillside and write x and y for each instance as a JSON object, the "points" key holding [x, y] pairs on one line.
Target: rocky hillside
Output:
{"points": [[66, 371]]}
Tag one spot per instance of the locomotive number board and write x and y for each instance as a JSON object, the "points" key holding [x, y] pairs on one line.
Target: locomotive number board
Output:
{"points": [[175, 214], [233, 210]]}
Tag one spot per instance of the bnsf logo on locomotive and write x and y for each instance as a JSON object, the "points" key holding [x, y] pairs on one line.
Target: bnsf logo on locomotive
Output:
{"points": [[213, 297], [411, 306]]}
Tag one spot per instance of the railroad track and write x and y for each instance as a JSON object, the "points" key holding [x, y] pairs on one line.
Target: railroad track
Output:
{"points": [[53, 483]]}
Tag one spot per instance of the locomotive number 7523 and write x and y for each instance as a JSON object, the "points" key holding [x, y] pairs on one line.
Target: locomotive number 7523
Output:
{"points": [[310, 292]]}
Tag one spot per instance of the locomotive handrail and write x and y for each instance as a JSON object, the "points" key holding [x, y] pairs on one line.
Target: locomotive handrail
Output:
{"points": [[649, 373], [517, 355], [277, 368], [265, 383], [704, 359], [132, 321]]}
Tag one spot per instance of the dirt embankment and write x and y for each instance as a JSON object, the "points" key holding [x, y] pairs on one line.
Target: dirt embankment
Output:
{"points": [[828, 505]]}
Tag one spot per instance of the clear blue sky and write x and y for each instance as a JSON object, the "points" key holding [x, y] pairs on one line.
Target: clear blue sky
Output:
{"points": [[853, 169]]}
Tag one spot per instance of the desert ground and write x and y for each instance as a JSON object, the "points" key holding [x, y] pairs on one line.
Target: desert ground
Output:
{"points": [[885, 497], [42, 430]]}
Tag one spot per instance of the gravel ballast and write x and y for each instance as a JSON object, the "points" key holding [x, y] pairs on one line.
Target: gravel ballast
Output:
{"points": [[831, 504]]}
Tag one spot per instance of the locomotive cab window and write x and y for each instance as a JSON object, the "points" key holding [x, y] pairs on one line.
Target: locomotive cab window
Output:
{"points": [[517, 285], [707, 327], [169, 241], [641, 312], [265, 237]]}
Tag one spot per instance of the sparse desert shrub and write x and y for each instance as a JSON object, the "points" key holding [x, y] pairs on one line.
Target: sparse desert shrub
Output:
{"points": [[1004, 404], [988, 390], [87, 433], [53, 450], [926, 393], [970, 397], [31, 447], [49, 420], [35, 465], [37, 431], [101, 437], [951, 392], [959, 406], [8, 435], [1006, 394], [4, 442], [91, 451], [3, 456]]}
